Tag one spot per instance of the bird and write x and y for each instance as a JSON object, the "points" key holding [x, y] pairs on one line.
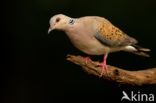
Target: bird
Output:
{"points": [[95, 35]]}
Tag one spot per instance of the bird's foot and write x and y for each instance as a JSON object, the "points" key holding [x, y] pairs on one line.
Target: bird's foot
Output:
{"points": [[104, 68], [87, 59]]}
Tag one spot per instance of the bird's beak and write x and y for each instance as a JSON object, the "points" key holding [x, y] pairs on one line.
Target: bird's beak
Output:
{"points": [[50, 29]]}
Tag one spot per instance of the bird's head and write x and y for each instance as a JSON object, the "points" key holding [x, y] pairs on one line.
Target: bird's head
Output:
{"points": [[60, 22]]}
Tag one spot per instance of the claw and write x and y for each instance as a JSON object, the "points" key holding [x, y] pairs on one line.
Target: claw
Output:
{"points": [[87, 59]]}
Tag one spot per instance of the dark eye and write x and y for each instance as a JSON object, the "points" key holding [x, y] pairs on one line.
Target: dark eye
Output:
{"points": [[71, 21], [58, 19]]}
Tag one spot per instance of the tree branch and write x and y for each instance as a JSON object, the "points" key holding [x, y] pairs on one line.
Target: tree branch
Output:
{"points": [[141, 77]]}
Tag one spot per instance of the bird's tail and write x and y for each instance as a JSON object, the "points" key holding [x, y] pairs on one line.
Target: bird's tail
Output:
{"points": [[135, 49]]}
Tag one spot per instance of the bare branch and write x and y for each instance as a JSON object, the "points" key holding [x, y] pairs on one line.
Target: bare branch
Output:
{"points": [[140, 77]]}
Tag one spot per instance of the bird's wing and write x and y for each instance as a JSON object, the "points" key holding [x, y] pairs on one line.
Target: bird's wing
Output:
{"points": [[112, 36]]}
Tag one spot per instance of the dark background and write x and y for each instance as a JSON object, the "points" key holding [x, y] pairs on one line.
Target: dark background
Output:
{"points": [[35, 67]]}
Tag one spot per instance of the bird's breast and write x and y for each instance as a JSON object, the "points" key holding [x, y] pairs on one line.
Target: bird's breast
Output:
{"points": [[84, 40]]}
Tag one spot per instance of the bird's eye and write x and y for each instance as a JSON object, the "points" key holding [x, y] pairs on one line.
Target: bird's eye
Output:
{"points": [[58, 19], [71, 21]]}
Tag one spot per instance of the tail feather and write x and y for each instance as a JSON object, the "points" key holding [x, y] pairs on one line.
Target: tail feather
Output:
{"points": [[135, 49], [141, 54], [141, 51], [141, 48]]}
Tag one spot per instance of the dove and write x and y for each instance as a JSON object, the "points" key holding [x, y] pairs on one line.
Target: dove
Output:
{"points": [[96, 35]]}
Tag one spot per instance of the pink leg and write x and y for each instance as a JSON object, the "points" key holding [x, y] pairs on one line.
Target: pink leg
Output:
{"points": [[104, 64]]}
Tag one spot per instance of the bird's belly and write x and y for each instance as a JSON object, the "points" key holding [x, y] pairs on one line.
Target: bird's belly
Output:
{"points": [[95, 51], [91, 47]]}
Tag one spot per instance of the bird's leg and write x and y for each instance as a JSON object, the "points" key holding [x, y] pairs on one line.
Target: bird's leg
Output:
{"points": [[104, 64]]}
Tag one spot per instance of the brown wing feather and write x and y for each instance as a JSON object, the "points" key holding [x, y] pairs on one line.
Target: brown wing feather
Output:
{"points": [[113, 36]]}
